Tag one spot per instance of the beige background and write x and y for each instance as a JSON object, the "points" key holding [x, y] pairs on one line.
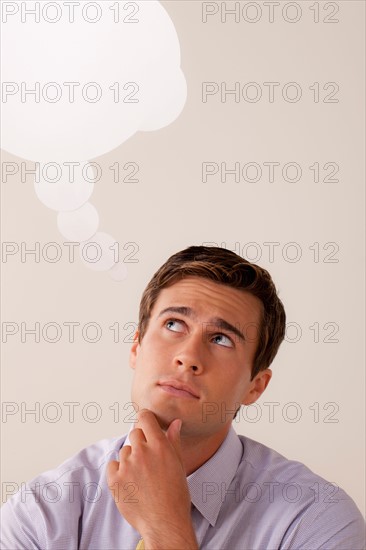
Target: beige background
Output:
{"points": [[170, 208]]}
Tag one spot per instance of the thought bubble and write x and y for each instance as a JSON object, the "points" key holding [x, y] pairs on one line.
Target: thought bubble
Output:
{"points": [[76, 90], [118, 272], [78, 225], [78, 80], [99, 252], [64, 194]]}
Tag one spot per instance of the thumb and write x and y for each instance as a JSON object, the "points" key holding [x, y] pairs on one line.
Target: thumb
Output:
{"points": [[173, 436]]}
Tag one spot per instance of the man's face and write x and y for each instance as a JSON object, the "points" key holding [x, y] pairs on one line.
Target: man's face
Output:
{"points": [[191, 341]]}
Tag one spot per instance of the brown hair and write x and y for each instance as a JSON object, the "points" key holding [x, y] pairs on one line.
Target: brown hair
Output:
{"points": [[223, 266]]}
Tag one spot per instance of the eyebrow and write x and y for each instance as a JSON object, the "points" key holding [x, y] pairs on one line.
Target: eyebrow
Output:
{"points": [[218, 322]]}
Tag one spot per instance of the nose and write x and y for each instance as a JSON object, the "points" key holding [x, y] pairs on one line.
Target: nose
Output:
{"points": [[189, 355]]}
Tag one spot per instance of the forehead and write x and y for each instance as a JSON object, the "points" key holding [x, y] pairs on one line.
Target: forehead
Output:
{"points": [[210, 299]]}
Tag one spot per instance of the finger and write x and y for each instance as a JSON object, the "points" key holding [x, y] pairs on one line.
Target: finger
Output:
{"points": [[149, 424], [113, 480], [173, 435], [112, 468], [124, 454], [112, 471], [137, 436]]}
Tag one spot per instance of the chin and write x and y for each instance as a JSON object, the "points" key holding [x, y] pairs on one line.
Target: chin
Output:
{"points": [[163, 421], [164, 414], [163, 417], [164, 410]]}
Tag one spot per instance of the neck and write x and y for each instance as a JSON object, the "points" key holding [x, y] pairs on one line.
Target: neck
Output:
{"points": [[197, 450]]}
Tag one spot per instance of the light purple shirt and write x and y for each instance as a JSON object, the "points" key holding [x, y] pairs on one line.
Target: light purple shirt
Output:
{"points": [[247, 496]]}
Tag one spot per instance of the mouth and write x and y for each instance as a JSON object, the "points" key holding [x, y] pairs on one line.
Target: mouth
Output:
{"points": [[179, 389]]}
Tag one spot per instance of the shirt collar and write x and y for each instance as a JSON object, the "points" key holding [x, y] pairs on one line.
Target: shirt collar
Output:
{"points": [[209, 483]]}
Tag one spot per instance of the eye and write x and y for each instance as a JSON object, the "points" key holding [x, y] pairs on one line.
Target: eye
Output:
{"points": [[223, 340], [174, 325]]}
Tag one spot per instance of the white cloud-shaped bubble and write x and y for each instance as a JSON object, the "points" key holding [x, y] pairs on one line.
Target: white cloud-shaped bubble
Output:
{"points": [[79, 79], [78, 225], [67, 193], [100, 252], [118, 272], [161, 106], [134, 69]]}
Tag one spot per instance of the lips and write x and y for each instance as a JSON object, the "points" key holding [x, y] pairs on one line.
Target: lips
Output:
{"points": [[180, 386]]}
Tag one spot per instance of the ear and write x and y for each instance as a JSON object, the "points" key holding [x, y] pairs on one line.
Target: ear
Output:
{"points": [[257, 386], [134, 350]]}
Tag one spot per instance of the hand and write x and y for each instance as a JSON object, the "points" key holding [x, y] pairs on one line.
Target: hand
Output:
{"points": [[149, 485]]}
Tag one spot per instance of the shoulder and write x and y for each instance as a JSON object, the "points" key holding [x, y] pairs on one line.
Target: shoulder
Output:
{"points": [[259, 459], [93, 457], [55, 500], [87, 464], [313, 512]]}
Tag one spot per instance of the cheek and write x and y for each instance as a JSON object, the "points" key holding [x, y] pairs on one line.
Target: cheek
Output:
{"points": [[234, 383], [153, 355]]}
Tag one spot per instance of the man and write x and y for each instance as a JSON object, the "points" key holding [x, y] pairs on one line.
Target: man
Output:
{"points": [[210, 324]]}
